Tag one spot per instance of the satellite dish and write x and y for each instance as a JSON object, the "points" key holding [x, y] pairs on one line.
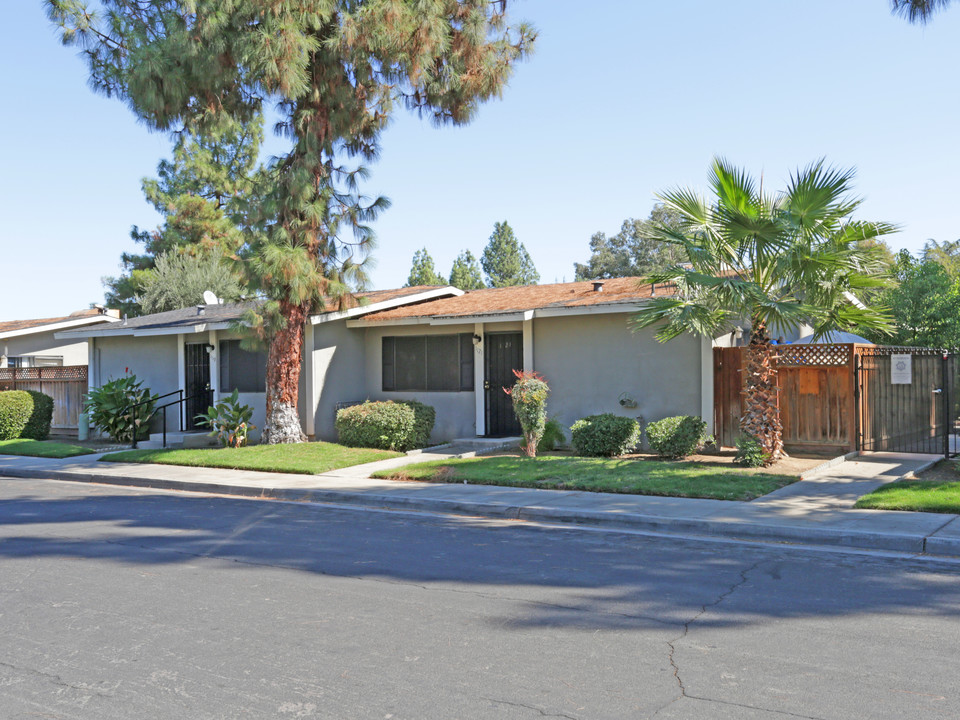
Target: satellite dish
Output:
{"points": [[210, 298]]}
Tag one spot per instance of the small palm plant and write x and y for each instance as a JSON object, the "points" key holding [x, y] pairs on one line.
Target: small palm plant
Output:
{"points": [[768, 261]]}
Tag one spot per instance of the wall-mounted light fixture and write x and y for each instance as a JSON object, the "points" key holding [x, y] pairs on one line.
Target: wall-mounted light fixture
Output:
{"points": [[477, 340], [209, 348]]}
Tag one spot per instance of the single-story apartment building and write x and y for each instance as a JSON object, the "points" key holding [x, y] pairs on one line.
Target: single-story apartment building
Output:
{"points": [[453, 350]]}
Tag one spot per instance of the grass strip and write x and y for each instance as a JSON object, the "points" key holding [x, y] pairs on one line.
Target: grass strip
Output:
{"points": [[936, 496], [303, 458], [637, 477], [42, 448]]}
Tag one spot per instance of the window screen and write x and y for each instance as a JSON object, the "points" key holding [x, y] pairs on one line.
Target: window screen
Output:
{"points": [[240, 369], [431, 363]]}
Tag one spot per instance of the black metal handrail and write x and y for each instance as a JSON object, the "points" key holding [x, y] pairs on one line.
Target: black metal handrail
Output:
{"points": [[179, 402], [134, 407]]}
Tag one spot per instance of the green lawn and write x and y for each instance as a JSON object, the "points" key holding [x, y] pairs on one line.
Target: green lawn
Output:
{"points": [[937, 496], [639, 477], [304, 458], [42, 448]]}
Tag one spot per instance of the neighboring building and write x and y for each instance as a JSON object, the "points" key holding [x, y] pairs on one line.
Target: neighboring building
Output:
{"points": [[32, 343]]}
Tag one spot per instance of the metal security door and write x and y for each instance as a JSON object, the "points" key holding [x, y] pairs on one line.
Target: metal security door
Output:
{"points": [[907, 400], [503, 353], [198, 392]]}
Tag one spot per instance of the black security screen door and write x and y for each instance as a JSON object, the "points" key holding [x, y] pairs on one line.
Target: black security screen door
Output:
{"points": [[197, 361], [503, 353]]}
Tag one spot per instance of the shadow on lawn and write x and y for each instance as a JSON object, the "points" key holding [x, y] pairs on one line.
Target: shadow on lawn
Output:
{"points": [[555, 577]]}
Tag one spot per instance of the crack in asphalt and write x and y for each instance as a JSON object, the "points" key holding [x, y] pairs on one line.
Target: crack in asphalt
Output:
{"points": [[56, 680], [672, 644], [543, 713], [750, 707]]}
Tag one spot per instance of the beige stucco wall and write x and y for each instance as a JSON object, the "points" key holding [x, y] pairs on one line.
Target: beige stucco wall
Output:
{"points": [[340, 372], [455, 410], [151, 359], [589, 360], [44, 343]]}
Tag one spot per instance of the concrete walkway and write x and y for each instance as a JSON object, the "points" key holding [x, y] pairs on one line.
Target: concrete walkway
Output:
{"points": [[816, 510]]}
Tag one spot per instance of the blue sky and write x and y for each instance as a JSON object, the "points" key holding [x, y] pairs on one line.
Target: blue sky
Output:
{"points": [[621, 100]]}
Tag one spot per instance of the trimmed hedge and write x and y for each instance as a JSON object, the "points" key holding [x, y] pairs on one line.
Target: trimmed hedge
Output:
{"points": [[678, 436], [25, 414], [605, 435], [387, 425], [38, 426]]}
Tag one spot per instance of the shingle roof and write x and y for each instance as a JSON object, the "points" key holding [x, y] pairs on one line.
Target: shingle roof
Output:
{"points": [[497, 301], [38, 324], [189, 317]]}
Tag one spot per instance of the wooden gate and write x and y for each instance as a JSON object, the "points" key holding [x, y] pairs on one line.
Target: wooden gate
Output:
{"points": [[817, 395], [67, 385]]}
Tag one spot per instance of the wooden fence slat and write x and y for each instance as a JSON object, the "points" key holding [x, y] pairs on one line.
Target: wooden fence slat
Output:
{"points": [[67, 385]]}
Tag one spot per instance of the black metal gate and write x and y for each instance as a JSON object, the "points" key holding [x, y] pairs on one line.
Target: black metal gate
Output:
{"points": [[907, 400]]}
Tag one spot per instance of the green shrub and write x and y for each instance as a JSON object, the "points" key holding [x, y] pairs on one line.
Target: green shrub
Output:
{"points": [[110, 405], [16, 407], [750, 453], [529, 395], [387, 425], [604, 435], [38, 426], [553, 436], [678, 436], [230, 421]]}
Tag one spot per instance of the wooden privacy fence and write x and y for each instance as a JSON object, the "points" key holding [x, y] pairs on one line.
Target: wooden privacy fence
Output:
{"points": [[818, 403], [67, 385]]}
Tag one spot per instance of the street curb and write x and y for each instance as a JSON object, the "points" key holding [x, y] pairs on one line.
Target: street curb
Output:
{"points": [[896, 542]]}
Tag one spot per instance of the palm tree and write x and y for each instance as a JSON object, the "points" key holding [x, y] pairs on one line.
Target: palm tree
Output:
{"points": [[770, 261], [918, 10]]}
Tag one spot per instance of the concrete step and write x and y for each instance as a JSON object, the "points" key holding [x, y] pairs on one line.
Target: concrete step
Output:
{"points": [[179, 439]]}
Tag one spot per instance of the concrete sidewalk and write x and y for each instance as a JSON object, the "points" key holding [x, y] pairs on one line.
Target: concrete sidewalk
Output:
{"points": [[815, 510]]}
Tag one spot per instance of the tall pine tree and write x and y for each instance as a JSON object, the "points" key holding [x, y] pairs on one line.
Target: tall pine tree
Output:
{"points": [[506, 261], [335, 71], [423, 271], [465, 273]]}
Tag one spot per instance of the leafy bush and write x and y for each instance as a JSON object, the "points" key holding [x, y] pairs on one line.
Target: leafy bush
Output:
{"points": [[230, 421], [604, 435], [110, 406], [678, 436], [750, 453], [529, 394], [387, 425], [553, 436], [38, 426], [16, 407]]}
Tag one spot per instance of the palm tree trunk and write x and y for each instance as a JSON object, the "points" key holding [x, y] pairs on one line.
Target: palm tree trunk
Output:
{"points": [[761, 402], [283, 377]]}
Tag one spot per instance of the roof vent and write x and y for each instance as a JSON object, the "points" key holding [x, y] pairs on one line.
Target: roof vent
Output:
{"points": [[598, 285], [201, 309]]}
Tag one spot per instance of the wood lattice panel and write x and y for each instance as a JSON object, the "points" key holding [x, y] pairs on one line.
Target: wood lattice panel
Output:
{"points": [[814, 355], [64, 373]]}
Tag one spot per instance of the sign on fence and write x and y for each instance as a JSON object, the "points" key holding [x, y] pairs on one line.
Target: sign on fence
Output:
{"points": [[901, 369]]}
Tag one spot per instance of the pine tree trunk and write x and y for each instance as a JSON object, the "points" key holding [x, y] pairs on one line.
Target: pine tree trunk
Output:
{"points": [[283, 378], [761, 403]]}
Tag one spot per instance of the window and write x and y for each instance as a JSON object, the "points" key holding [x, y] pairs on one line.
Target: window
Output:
{"points": [[431, 363], [240, 369]]}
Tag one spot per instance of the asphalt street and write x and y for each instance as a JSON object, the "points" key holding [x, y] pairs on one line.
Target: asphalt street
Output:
{"points": [[126, 603]]}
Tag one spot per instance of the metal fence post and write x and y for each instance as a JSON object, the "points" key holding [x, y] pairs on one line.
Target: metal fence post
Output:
{"points": [[945, 399]]}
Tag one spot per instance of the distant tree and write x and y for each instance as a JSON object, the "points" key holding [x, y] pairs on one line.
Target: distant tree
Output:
{"points": [[203, 193], [947, 253], [465, 273], [179, 279], [635, 250], [423, 271], [925, 304], [506, 261]]}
